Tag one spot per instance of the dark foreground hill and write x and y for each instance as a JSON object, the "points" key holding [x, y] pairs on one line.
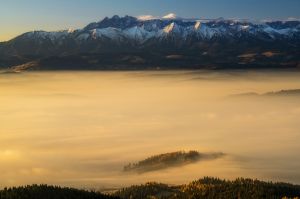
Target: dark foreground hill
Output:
{"points": [[50, 192], [206, 188]]}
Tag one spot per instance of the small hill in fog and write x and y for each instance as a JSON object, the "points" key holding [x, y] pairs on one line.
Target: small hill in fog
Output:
{"points": [[281, 93], [292, 92], [167, 160]]}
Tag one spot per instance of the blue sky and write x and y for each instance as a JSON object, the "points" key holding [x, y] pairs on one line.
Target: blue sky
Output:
{"points": [[18, 16]]}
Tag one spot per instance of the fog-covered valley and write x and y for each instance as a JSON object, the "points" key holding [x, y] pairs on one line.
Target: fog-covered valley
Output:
{"points": [[80, 129]]}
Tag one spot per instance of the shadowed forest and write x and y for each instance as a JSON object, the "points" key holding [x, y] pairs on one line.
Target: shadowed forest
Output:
{"points": [[205, 188]]}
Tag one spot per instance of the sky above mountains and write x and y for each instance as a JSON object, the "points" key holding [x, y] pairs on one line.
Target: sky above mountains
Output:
{"points": [[18, 16]]}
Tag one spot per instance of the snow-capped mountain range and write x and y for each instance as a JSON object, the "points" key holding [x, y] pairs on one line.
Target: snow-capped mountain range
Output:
{"points": [[147, 33], [130, 28]]}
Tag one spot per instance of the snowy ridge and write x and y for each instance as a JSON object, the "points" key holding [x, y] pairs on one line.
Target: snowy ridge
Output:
{"points": [[155, 42], [140, 31], [48, 35]]}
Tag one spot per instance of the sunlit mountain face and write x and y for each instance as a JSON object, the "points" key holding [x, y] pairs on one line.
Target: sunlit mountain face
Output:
{"points": [[170, 42]]}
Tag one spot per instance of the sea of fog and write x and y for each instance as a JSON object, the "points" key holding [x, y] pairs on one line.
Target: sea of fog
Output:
{"points": [[80, 128]]}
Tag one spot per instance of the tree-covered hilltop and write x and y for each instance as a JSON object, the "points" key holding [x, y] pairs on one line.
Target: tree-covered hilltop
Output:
{"points": [[50, 192], [211, 188], [166, 160]]}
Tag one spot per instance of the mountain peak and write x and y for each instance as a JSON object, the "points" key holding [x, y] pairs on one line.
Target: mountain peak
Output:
{"points": [[114, 22], [115, 17]]}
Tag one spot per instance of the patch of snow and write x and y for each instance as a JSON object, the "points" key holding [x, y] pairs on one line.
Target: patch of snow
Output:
{"points": [[286, 31], [53, 36], [245, 27], [112, 33], [169, 28], [71, 30], [138, 34], [207, 32], [173, 28], [197, 25], [83, 36]]}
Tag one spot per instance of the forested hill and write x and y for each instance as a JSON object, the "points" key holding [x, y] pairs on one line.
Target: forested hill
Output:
{"points": [[206, 188], [211, 188], [50, 192]]}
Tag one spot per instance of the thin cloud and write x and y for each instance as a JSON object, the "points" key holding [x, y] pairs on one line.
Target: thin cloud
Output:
{"points": [[147, 17]]}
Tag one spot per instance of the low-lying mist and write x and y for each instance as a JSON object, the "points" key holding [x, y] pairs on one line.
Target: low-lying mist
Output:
{"points": [[80, 128]]}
